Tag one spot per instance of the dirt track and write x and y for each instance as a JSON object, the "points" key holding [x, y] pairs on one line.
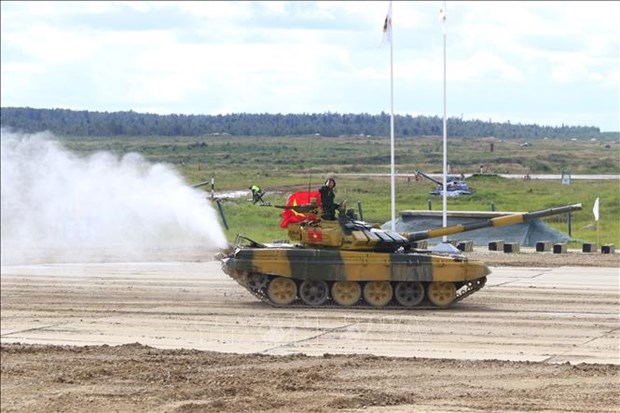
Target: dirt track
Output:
{"points": [[508, 320], [133, 378]]}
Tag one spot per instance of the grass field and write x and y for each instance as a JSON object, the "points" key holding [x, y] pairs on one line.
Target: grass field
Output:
{"points": [[282, 165]]}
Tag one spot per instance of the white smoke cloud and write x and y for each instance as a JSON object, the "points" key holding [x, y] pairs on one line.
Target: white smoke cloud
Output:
{"points": [[59, 206]]}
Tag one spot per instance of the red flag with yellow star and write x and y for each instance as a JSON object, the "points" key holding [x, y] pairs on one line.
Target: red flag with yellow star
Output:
{"points": [[290, 216]]}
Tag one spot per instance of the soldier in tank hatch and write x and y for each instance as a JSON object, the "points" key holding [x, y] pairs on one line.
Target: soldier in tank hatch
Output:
{"points": [[327, 200]]}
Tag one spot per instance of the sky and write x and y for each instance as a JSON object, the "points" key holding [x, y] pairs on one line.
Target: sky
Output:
{"points": [[548, 63]]}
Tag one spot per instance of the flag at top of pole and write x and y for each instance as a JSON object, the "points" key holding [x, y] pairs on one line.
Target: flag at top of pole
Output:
{"points": [[442, 19], [387, 27]]}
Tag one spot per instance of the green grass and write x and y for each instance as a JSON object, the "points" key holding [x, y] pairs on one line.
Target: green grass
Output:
{"points": [[275, 156], [290, 163]]}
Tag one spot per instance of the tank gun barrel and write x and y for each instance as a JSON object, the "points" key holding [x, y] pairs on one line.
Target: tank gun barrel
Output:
{"points": [[200, 184], [493, 222], [429, 177]]}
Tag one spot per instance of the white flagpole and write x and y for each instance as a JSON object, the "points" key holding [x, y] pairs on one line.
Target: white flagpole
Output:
{"points": [[392, 181], [388, 36], [445, 128]]}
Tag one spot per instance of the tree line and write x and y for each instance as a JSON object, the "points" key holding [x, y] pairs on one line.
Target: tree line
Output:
{"points": [[73, 123]]}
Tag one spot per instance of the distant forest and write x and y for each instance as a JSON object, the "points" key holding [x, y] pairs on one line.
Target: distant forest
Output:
{"points": [[70, 123]]}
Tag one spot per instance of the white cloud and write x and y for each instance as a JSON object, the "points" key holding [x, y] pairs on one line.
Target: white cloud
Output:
{"points": [[53, 45], [208, 57]]}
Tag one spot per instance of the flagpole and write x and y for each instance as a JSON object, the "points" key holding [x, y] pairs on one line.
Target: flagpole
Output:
{"points": [[445, 130], [392, 181]]}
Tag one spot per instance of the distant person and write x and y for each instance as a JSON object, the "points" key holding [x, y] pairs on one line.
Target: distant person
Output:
{"points": [[257, 194], [327, 200]]}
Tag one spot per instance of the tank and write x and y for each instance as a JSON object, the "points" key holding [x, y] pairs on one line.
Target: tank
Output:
{"points": [[351, 263], [454, 186]]}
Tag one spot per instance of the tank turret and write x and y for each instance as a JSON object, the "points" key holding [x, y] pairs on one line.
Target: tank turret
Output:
{"points": [[345, 234]]}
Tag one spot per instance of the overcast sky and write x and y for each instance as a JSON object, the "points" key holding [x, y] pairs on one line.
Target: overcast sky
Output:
{"points": [[549, 63]]}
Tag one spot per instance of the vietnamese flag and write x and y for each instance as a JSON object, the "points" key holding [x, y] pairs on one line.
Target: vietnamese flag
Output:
{"points": [[290, 216]]}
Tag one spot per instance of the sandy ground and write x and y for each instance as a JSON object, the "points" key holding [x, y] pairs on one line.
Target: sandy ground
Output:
{"points": [[134, 378], [182, 337]]}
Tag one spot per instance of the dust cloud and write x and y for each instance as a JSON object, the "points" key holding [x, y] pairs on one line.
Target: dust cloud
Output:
{"points": [[58, 206]]}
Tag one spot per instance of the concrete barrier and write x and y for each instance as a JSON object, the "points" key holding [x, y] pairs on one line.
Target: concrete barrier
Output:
{"points": [[496, 245], [543, 246], [560, 248], [588, 247], [466, 246], [608, 249], [512, 247]]}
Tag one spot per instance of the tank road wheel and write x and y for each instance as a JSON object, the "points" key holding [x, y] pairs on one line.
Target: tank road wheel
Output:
{"points": [[346, 292], [409, 294], [378, 293], [313, 292], [282, 291], [441, 293], [257, 281]]}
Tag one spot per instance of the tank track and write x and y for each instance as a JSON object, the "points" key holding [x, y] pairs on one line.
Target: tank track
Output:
{"points": [[463, 290]]}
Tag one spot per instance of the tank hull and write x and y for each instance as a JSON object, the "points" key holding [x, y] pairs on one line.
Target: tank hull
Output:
{"points": [[410, 273]]}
